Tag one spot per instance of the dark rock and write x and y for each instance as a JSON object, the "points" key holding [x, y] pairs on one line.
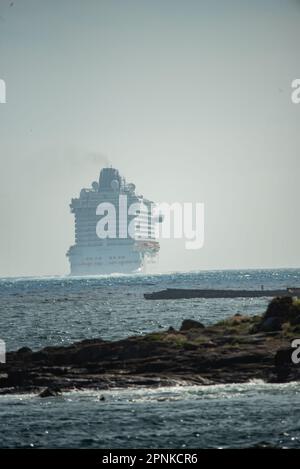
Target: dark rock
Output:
{"points": [[283, 357], [50, 392], [40, 356], [188, 324], [270, 325], [283, 364], [295, 321], [102, 398], [190, 346], [24, 351], [282, 308], [17, 377]]}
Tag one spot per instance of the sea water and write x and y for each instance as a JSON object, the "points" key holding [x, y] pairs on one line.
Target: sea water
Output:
{"points": [[36, 312]]}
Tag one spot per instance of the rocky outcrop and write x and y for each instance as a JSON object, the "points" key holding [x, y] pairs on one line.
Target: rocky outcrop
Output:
{"points": [[279, 312], [50, 392], [237, 349], [188, 324]]}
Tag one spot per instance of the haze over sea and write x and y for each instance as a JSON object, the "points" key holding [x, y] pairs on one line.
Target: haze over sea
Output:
{"points": [[36, 312]]}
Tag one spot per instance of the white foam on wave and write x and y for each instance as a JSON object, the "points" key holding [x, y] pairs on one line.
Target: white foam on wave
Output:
{"points": [[188, 392], [165, 393]]}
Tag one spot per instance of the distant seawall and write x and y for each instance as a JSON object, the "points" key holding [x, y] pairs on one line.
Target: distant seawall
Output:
{"points": [[183, 293]]}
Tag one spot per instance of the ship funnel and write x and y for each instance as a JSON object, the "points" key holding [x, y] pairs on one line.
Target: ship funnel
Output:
{"points": [[107, 176]]}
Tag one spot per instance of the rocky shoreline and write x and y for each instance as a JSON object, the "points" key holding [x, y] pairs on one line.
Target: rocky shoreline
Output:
{"points": [[238, 349]]}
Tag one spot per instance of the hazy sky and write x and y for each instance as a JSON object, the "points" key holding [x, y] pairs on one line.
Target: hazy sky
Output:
{"points": [[190, 99]]}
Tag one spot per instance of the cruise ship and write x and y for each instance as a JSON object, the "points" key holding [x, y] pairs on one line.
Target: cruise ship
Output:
{"points": [[130, 241]]}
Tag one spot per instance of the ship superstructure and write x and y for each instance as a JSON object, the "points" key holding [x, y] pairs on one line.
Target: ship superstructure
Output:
{"points": [[115, 228]]}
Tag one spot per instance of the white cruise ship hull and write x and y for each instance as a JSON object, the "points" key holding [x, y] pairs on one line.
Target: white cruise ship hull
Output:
{"points": [[97, 261]]}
